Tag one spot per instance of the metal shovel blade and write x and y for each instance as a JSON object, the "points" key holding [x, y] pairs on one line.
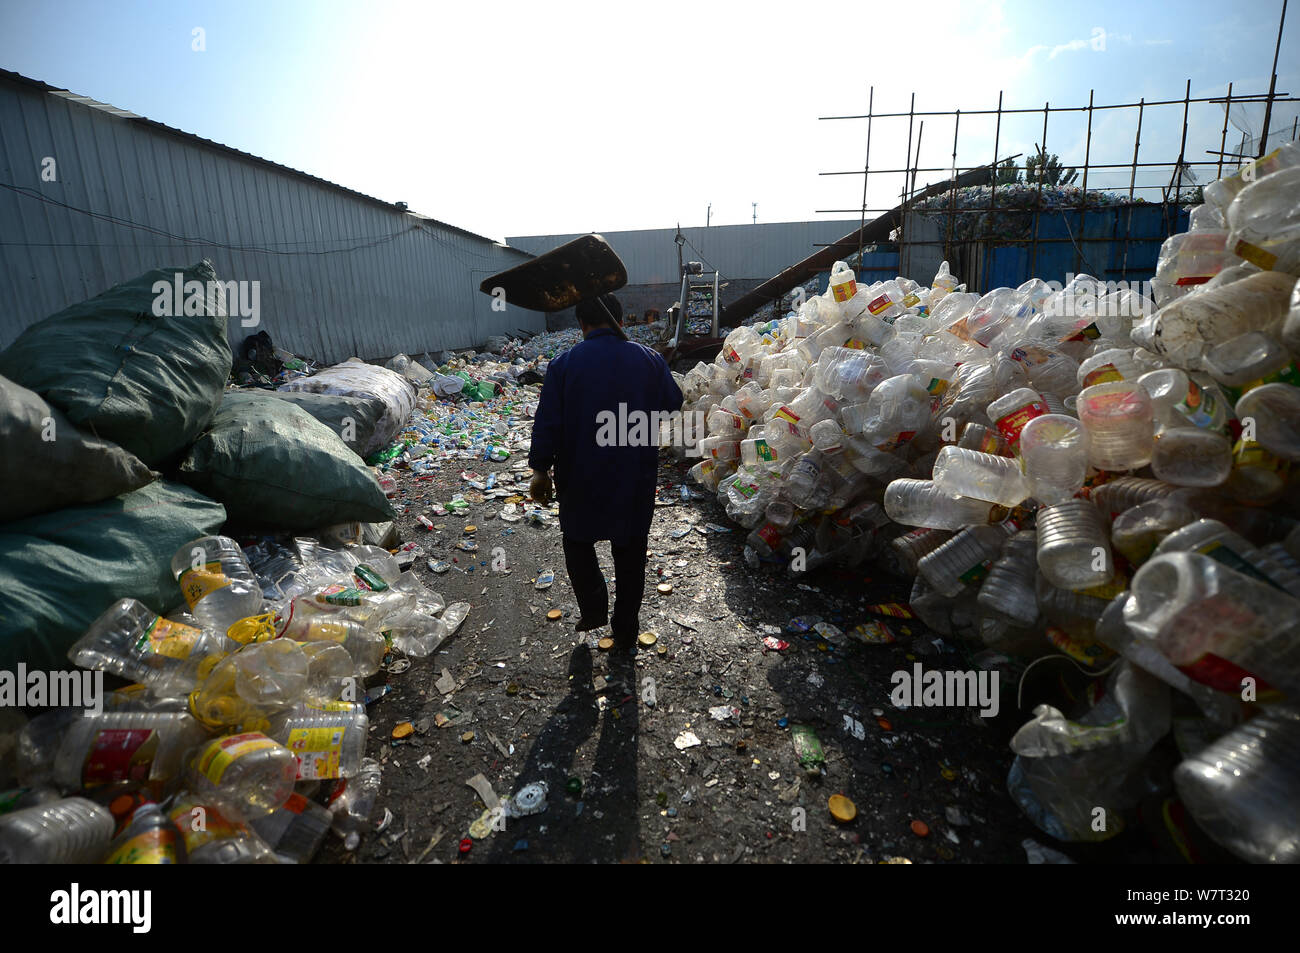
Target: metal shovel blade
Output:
{"points": [[583, 268]]}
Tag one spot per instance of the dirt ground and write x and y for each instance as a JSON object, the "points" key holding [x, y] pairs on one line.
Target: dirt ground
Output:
{"points": [[534, 702]]}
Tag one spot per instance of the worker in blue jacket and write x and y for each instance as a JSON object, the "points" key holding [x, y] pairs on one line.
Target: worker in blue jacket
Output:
{"points": [[596, 424]]}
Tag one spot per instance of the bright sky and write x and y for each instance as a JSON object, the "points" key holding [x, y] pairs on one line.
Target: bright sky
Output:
{"points": [[513, 118]]}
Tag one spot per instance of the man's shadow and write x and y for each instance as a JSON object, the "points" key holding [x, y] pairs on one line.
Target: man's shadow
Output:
{"points": [[600, 824]]}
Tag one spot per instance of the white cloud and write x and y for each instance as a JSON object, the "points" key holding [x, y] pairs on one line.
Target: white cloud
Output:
{"points": [[1067, 48]]}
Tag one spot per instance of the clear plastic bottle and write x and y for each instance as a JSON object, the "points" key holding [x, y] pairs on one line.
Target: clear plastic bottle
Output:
{"points": [[923, 503], [1263, 225], [1258, 476], [1184, 330], [217, 583], [965, 559], [329, 672], [1248, 358], [1117, 495], [1010, 414], [70, 831], [1120, 426], [1216, 624], [1210, 537], [980, 476], [1178, 401], [1073, 547], [327, 740], [1242, 788], [984, 439], [1275, 410], [1054, 448], [148, 838], [1049, 368], [247, 685], [209, 837], [1137, 531], [354, 801], [1065, 769], [1220, 193], [72, 749], [910, 547], [1187, 456], [418, 634], [296, 831], [897, 411], [1008, 590], [722, 423], [308, 620], [1112, 364], [843, 283], [131, 641], [248, 775]]}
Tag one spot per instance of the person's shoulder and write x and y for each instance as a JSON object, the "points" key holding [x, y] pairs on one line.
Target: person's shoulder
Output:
{"points": [[648, 352]]}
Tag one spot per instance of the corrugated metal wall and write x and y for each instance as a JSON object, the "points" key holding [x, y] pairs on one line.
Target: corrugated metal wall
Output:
{"points": [[737, 251], [340, 274]]}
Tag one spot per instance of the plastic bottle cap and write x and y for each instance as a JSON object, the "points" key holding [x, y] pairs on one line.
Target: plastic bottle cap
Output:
{"points": [[605, 644], [842, 809], [665, 587]]}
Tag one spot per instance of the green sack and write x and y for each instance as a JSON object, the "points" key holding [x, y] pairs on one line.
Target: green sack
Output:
{"points": [[146, 382], [273, 465], [61, 570], [354, 419], [48, 463]]}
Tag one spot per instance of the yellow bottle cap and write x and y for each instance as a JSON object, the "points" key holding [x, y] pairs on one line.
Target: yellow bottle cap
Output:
{"points": [[842, 809]]}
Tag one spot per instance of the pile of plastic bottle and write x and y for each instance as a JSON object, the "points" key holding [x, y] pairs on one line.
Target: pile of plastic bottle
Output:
{"points": [[242, 736], [454, 428], [980, 211], [1081, 471]]}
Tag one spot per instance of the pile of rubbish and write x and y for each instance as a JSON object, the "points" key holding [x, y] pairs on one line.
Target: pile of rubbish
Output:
{"points": [[541, 348], [247, 712], [248, 667], [980, 211], [1081, 471]]}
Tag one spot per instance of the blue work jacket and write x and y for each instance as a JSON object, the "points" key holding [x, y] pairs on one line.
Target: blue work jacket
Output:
{"points": [[603, 388]]}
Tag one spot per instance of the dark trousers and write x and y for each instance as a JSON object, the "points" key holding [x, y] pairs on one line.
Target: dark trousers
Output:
{"points": [[589, 584]]}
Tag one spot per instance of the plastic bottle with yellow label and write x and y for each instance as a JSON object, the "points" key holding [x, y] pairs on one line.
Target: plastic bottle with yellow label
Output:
{"points": [[217, 583], [249, 775], [131, 641]]}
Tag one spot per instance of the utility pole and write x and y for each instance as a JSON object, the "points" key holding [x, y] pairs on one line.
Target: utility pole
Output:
{"points": [[755, 204], [708, 215]]}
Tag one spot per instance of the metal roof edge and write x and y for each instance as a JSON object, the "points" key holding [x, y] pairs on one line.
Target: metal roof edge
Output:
{"points": [[18, 79]]}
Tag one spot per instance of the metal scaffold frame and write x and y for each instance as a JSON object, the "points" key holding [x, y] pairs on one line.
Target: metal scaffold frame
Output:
{"points": [[1171, 194]]}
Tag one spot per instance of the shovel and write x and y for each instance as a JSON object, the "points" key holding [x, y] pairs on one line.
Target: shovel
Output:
{"points": [[583, 268]]}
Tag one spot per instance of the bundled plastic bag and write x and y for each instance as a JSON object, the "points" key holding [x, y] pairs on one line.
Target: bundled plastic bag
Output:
{"points": [[273, 464], [71, 565], [358, 379], [133, 365], [49, 463], [354, 419]]}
